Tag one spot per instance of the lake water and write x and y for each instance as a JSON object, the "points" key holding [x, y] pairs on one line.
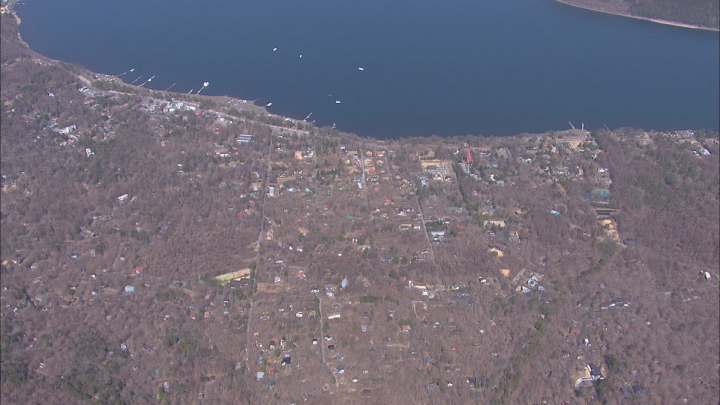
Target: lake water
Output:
{"points": [[452, 67]]}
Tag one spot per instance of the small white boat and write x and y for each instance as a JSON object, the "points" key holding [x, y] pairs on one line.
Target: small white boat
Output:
{"points": [[301, 55], [337, 101], [268, 104], [274, 49], [361, 68]]}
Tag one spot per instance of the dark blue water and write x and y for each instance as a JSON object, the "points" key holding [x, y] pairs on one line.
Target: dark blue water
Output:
{"points": [[490, 67]]}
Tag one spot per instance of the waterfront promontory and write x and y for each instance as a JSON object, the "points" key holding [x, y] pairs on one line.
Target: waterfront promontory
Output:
{"points": [[703, 14]]}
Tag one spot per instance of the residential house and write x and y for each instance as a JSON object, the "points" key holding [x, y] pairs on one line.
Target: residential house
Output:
{"points": [[618, 302], [503, 153], [594, 370], [419, 286], [244, 138], [221, 152], [494, 222], [498, 249], [66, 130]]}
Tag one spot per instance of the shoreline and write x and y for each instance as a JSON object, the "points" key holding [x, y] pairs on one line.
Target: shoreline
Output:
{"points": [[224, 100], [655, 20], [86, 76]]}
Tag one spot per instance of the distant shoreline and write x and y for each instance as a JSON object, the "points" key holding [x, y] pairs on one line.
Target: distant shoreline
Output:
{"points": [[655, 20], [248, 104]]}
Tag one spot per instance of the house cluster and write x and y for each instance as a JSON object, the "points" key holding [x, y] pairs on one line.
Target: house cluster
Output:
{"points": [[158, 106], [288, 181], [436, 170], [531, 284], [603, 177], [236, 278], [427, 290], [227, 150], [486, 164], [338, 237], [688, 138], [305, 155], [66, 134], [371, 167], [500, 237]]}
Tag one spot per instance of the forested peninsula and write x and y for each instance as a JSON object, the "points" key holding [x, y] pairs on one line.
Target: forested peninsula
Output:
{"points": [[704, 14]]}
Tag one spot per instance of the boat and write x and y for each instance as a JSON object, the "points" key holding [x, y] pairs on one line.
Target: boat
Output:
{"points": [[337, 101], [268, 104], [274, 49], [361, 68]]}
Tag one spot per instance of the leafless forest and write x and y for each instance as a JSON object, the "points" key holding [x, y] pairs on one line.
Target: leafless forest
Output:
{"points": [[178, 249]]}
